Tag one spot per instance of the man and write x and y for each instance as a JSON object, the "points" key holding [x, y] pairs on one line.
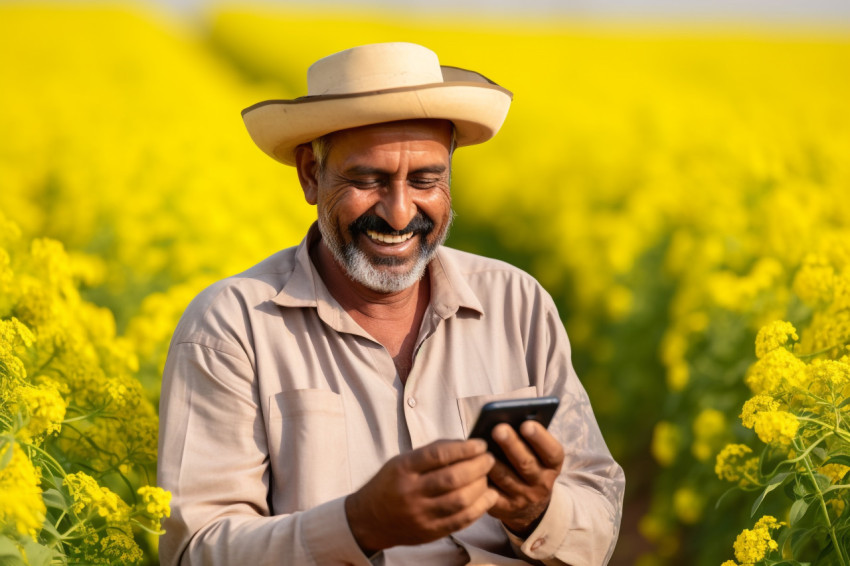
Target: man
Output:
{"points": [[315, 408]]}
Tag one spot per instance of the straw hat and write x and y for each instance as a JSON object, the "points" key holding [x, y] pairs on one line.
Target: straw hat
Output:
{"points": [[378, 83]]}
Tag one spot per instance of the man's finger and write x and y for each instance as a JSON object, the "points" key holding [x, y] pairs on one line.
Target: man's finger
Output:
{"points": [[456, 475], [519, 454], [547, 448], [471, 513], [443, 453]]}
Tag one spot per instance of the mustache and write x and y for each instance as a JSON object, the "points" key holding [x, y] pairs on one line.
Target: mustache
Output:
{"points": [[421, 223]]}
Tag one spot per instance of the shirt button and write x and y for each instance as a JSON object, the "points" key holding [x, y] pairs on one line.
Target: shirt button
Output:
{"points": [[411, 402], [538, 543]]}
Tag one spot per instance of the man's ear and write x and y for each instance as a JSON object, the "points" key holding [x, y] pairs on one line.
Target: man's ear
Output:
{"points": [[305, 163]]}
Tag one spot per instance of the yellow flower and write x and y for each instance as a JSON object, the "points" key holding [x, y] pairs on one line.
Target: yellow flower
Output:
{"points": [[21, 505], [120, 548], [776, 372], [835, 472], [774, 335], [688, 505], [776, 427], [729, 563], [754, 545], [156, 502], [735, 463], [89, 497], [709, 430], [44, 406], [755, 405], [828, 378], [814, 283], [666, 439]]}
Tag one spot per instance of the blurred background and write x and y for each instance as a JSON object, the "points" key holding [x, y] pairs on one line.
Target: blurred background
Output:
{"points": [[665, 171]]}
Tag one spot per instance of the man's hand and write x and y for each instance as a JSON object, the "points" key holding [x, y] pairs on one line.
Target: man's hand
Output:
{"points": [[525, 489], [422, 495]]}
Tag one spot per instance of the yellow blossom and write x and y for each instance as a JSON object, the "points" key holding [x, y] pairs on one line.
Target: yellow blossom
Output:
{"points": [[688, 505], [44, 406], [155, 504], [777, 371], [815, 281], [754, 545], [776, 427], [774, 335], [666, 440], [21, 505], [709, 431], [736, 463], [755, 405], [835, 472]]}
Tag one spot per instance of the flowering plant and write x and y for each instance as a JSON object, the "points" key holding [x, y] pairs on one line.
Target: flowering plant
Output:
{"points": [[77, 434], [800, 411]]}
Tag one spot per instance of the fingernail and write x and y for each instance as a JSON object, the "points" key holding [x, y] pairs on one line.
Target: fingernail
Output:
{"points": [[480, 444], [529, 429], [500, 432]]}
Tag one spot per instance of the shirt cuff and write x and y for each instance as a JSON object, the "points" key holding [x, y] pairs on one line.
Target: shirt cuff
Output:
{"points": [[328, 538], [545, 540]]}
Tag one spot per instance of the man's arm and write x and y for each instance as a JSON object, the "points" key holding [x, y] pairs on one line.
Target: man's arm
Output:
{"points": [[213, 457], [561, 502], [214, 460]]}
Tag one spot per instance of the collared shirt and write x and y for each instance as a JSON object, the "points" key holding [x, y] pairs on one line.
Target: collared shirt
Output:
{"points": [[276, 404]]}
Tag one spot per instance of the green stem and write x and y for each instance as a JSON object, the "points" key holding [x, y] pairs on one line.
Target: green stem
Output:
{"points": [[819, 352], [823, 508]]}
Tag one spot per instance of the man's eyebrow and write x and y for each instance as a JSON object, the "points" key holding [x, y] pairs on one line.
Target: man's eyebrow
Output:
{"points": [[436, 169], [365, 170]]}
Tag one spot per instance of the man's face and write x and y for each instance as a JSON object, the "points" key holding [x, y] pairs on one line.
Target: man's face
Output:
{"points": [[383, 198]]}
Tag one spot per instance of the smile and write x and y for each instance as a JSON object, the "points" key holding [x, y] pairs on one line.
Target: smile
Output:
{"points": [[388, 238]]}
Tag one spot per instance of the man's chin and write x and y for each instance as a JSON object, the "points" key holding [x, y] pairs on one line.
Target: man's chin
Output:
{"points": [[384, 274]]}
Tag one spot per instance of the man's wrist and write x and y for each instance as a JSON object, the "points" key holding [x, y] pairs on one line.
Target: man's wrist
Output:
{"points": [[523, 529], [357, 523]]}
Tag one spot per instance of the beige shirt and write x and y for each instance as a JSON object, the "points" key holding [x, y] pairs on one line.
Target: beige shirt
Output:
{"points": [[276, 405]]}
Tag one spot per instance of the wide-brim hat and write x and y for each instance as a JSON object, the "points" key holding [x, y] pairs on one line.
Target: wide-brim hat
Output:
{"points": [[378, 83]]}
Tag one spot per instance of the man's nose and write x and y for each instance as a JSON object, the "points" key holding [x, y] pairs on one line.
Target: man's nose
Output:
{"points": [[396, 205]]}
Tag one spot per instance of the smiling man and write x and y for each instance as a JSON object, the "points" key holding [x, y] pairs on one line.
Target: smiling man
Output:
{"points": [[315, 408]]}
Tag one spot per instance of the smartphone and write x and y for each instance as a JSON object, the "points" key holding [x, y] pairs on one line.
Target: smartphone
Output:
{"points": [[514, 412]]}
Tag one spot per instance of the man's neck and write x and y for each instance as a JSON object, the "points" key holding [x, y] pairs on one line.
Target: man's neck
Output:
{"points": [[356, 298]]}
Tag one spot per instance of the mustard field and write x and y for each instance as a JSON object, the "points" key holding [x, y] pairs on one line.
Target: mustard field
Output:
{"points": [[682, 192]]}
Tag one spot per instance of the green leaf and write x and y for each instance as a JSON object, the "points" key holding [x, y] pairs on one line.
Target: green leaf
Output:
{"points": [[53, 498], [800, 539], [38, 555], [7, 455], [842, 459], [726, 494], [798, 511], [9, 553], [774, 482]]}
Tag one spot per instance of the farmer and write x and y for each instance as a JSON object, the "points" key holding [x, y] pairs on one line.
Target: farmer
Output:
{"points": [[315, 408]]}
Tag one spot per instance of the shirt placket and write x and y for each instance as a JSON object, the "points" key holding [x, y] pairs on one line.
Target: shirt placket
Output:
{"points": [[414, 406]]}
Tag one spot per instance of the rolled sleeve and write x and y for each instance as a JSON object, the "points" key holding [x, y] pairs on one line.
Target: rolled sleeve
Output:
{"points": [[576, 529]]}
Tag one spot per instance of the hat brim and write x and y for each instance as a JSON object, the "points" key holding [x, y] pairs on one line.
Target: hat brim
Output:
{"points": [[279, 126]]}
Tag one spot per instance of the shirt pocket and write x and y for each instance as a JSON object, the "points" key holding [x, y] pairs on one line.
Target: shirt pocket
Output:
{"points": [[308, 449], [469, 407]]}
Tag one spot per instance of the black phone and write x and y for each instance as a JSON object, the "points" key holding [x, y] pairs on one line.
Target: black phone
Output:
{"points": [[514, 412]]}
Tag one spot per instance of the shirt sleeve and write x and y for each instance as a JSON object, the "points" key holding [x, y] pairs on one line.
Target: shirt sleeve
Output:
{"points": [[581, 524], [213, 458]]}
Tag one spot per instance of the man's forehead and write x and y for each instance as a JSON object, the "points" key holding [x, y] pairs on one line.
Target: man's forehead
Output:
{"points": [[426, 129]]}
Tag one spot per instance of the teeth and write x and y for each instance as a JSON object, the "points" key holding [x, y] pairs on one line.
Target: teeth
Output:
{"points": [[389, 238]]}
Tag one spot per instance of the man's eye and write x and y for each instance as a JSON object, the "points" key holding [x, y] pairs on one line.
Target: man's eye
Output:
{"points": [[367, 183], [424, 182]]}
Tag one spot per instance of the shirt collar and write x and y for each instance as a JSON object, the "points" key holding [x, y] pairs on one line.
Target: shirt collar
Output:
{"points": [[305, 288]]}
